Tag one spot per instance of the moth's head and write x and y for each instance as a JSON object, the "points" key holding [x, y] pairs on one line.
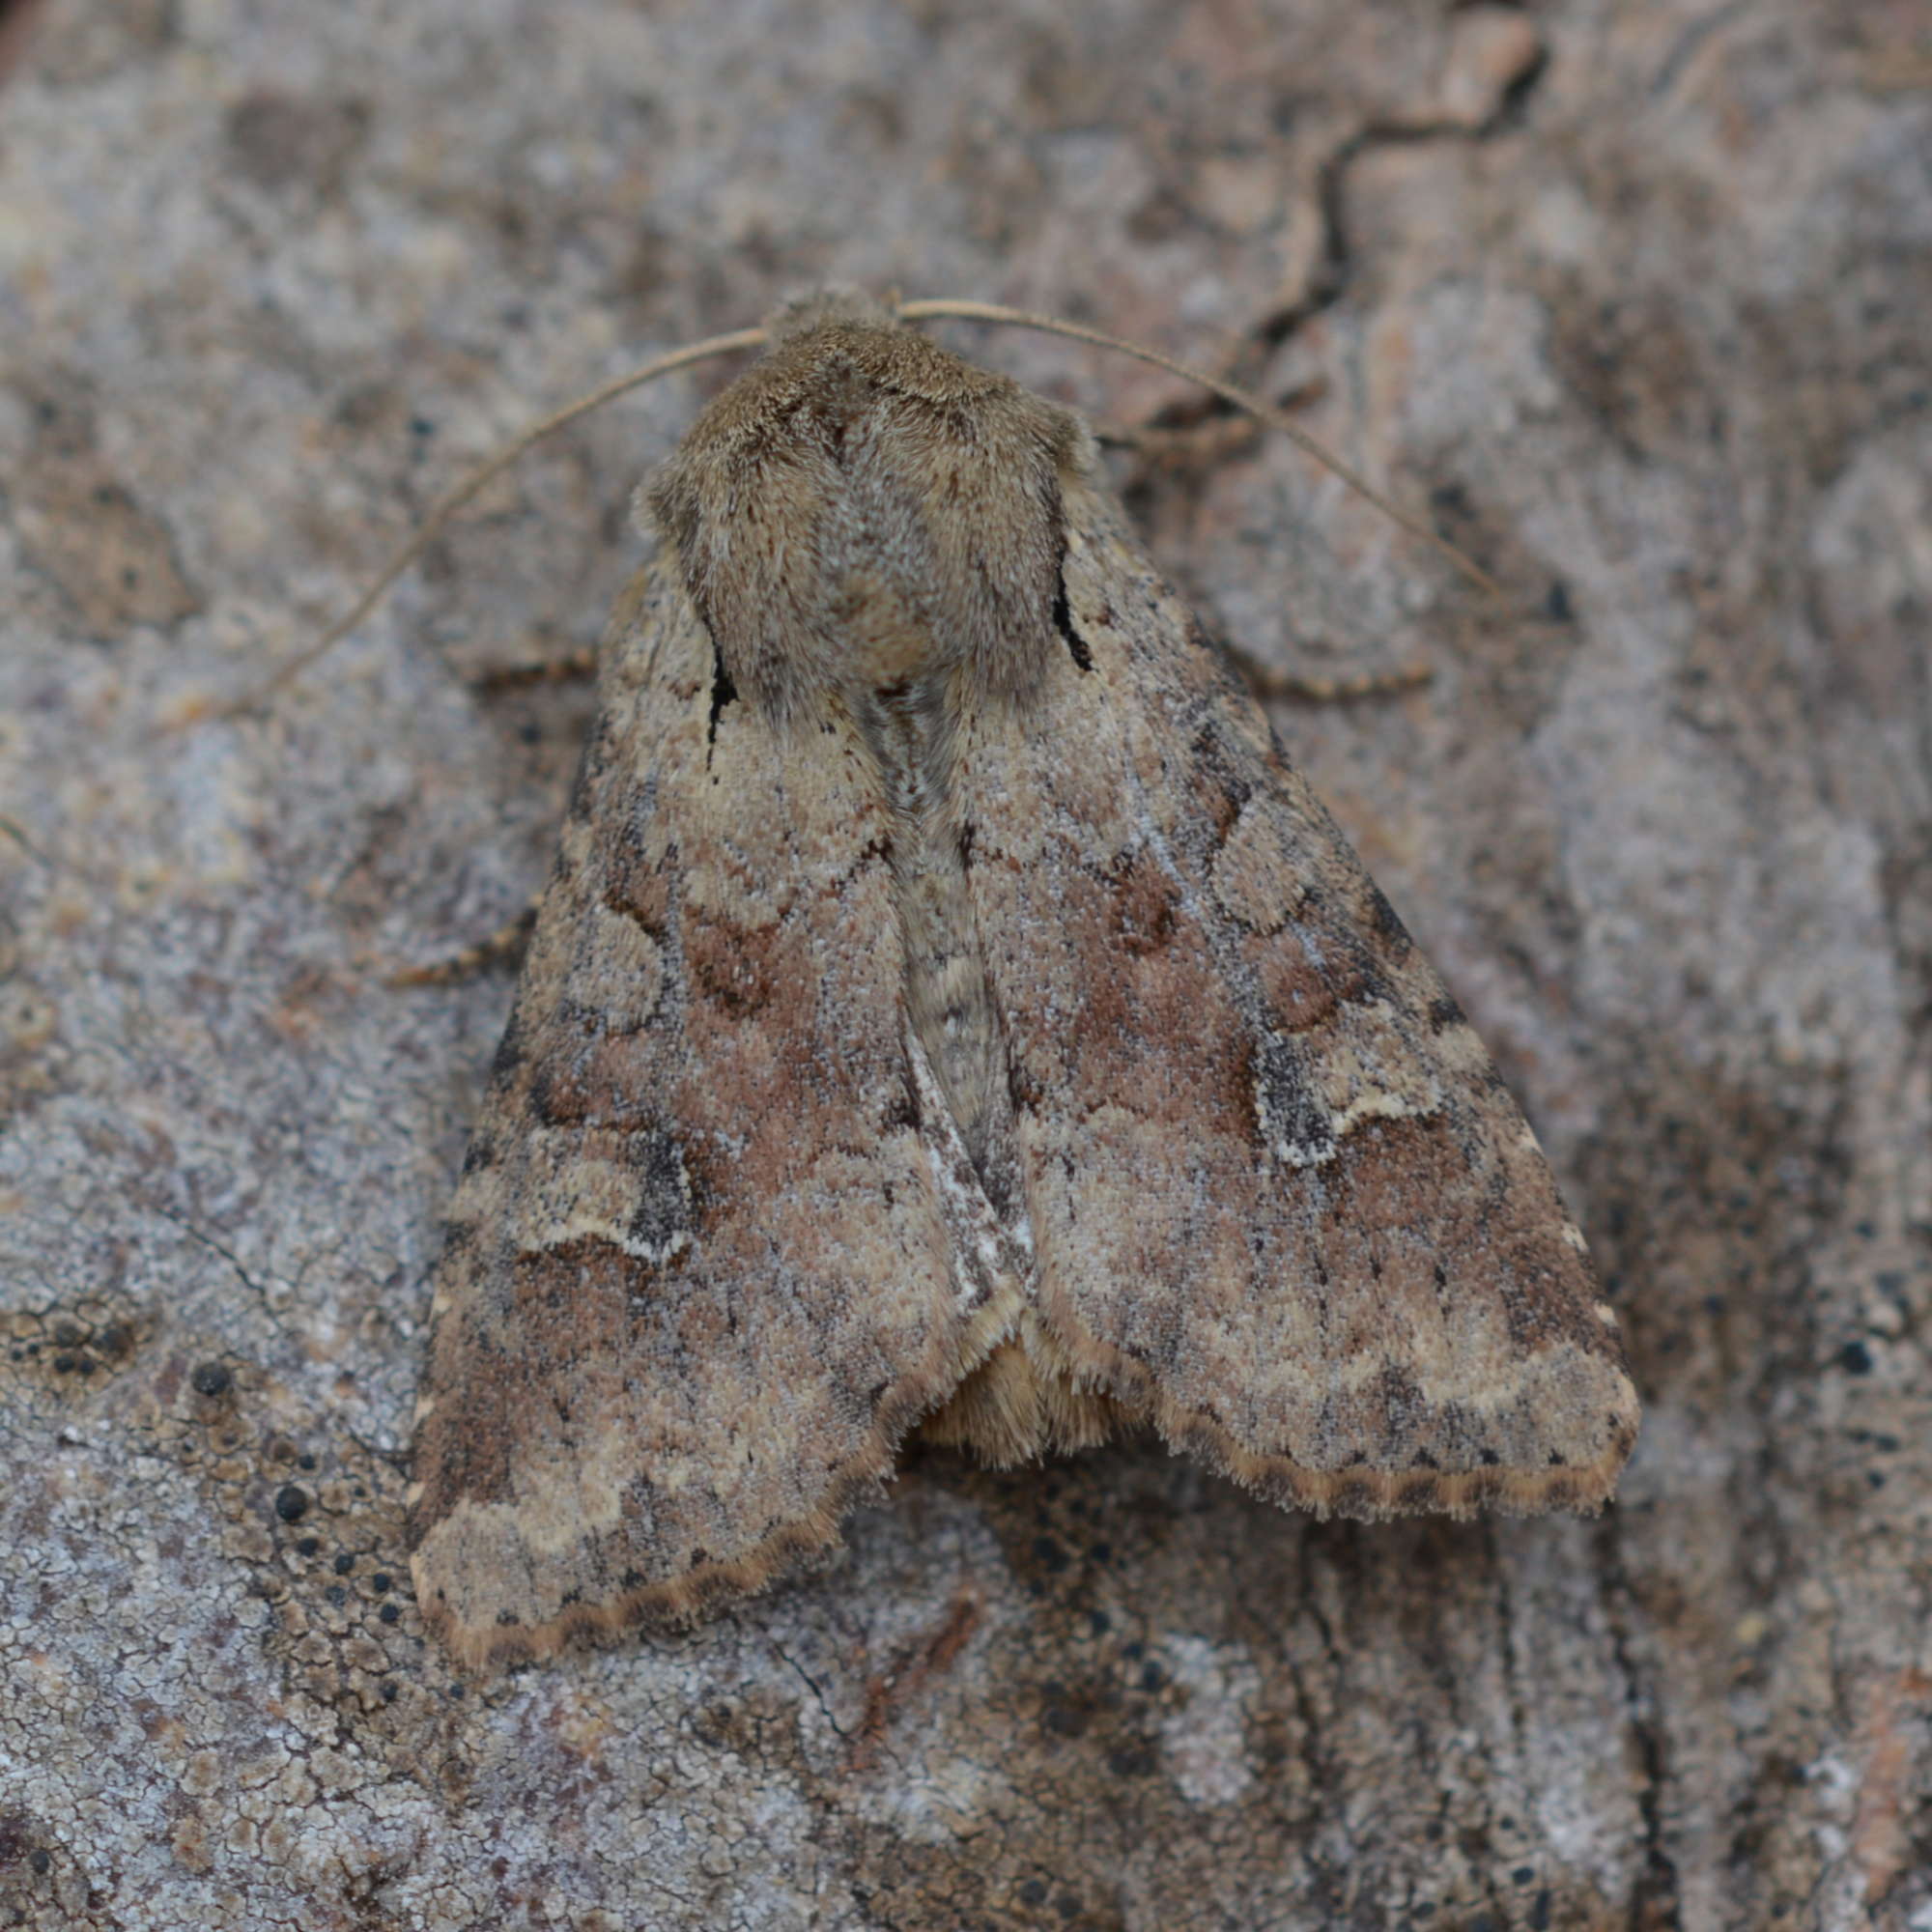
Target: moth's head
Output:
{"points": [[863, 508]]}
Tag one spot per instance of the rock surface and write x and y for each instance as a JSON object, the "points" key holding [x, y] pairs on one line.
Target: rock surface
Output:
{"points": [[1631, 297]]}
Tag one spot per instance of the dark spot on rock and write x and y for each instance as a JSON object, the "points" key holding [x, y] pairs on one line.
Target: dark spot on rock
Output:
{"points": [[1152, 1677], [1444, 1014], [1523, 1874], [1556, 604], [1856, 1359], [210, 1378], [344, 1564], [67, 1335], [337, 1595], [390, 1613], [507, 1618], [388, 1693], [1048, 1553], [1487, 1457], [292, 1502], [1032, 1892], [304, 1462], [63, 1365], [699, 1556], [380, 1580], [308, 1545]]}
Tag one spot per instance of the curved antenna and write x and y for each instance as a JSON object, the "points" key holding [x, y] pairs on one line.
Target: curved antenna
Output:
{"points": [[479, 480], [1264, 413]]}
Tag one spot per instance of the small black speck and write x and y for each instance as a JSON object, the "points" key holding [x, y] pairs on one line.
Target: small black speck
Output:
{"points": [[67, 1335], [292, 1502], [1032, 1892], [1523, 1874], [421, 426], [1050, 1555], [1874, 1479], [380, 1582], [388, 1693], [337, 1595], [390, 1613], [304, 1462], [63, 1365], [40, 1859], [212, 1379], [307, 1546], [1101, 1552], [508, 1617], [85, 1365], [1099, 1622], [1068, 1906], [1539, 1911], [1855, 1358], [1556, 603], [1152, 1677], [1488, 1459], [344, 1563]]}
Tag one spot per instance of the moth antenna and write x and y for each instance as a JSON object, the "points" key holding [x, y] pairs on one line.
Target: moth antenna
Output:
{"points": [[478, 479], [1264, 413]]}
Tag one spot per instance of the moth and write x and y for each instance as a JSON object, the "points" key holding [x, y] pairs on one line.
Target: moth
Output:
{"points": [[949, 1011]]}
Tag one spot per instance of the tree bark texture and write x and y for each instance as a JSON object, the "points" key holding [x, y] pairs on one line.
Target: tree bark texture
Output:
{"points": [[1631, 299]]}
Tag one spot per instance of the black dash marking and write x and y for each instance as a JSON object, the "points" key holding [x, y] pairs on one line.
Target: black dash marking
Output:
{"points": [[1062, 623], [723, 692]]}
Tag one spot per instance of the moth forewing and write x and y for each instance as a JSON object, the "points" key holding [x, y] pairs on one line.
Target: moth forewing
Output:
{"points": [[949, 1008]]}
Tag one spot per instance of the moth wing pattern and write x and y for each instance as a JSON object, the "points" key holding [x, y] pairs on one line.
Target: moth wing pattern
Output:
{"points": [[1283, 1204], [699, 1276], [950, 1009]]}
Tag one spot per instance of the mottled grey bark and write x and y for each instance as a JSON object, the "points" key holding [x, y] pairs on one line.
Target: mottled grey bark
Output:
{"points": [[1635, 296]]}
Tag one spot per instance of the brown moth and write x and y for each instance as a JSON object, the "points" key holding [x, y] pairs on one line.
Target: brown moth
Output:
{"points": [[949, 1011]]}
